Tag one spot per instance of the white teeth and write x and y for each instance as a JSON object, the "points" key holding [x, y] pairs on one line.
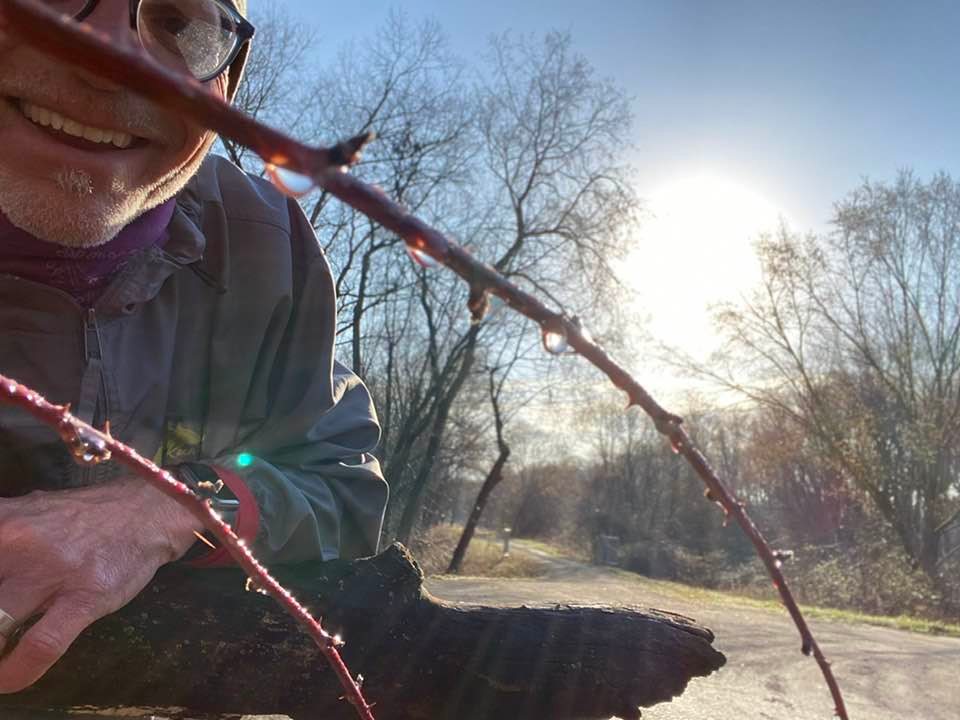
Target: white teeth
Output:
{"points": [[43, 116], [122, 139], [94, 135], [72, 127], [51, 118]]}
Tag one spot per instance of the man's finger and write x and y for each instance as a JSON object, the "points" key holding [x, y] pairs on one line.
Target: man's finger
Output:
{"points": [[21, 602], [45, 643]]}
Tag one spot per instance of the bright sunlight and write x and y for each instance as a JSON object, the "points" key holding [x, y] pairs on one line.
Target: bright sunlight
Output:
{"points": [[696, 249]]}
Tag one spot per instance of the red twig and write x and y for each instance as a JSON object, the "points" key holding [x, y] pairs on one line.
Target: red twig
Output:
{"points": [[91, 446], [71, 42]]}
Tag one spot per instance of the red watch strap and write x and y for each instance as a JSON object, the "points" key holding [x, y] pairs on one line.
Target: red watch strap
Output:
{"points": [[247, 522]]}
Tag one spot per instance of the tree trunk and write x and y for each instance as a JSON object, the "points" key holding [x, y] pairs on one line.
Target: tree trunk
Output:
{"points": [[489, 484], [195, 641], [411, 511]]}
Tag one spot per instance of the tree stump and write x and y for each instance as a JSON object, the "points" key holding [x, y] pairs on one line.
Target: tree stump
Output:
{"points": [[195, 640]]}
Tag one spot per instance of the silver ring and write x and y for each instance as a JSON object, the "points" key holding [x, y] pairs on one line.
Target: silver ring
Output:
{"points": [[8, 624]]}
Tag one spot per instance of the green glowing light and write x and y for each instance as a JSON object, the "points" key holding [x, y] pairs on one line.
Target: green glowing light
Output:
{"points": [[244, 460]]}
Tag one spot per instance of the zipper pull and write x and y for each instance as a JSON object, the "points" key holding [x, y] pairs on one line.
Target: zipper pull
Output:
{"points": [[92, 348]]}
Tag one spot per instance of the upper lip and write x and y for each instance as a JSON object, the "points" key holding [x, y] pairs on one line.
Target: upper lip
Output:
{"points": [[84, 116]]}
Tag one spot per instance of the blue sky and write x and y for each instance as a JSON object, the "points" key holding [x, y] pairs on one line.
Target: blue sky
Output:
{"points": [[795, 101]]}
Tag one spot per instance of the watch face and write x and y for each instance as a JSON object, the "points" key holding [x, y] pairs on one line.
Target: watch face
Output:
{"points": [[205, 482]]}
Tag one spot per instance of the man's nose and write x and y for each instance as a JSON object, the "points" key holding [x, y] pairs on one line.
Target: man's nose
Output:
{"points": [[112, 18]]}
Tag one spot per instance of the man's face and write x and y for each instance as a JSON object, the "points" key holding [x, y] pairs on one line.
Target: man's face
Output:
{"points": [[82, 157]]}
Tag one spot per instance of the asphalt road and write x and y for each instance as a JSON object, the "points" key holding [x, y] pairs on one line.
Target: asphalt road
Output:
{"points": [[883, 673]]}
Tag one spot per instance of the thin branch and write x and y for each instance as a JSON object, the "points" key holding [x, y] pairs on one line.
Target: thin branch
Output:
{"points": [[132, 67]]}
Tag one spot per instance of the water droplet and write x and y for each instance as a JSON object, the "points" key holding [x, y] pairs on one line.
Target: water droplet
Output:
{"points": [[555, 342], [676, 446], [778, 564], [292, 183], [421, 258]]}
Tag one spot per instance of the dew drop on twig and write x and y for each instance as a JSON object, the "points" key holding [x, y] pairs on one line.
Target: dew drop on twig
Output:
{"points": [[289, 182], [555, 342], [422, 259]]}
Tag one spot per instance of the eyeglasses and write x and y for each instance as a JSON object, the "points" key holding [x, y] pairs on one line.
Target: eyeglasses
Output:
{"points": [[200, 37]]}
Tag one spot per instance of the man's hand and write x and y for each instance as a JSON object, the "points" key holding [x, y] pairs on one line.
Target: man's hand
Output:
{"points": [[74, 556]]}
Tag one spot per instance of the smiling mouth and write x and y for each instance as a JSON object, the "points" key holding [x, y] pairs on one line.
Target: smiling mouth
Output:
{"points": [[74, 133]]}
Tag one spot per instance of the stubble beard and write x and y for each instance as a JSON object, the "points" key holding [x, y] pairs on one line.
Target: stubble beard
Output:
{"points": [[70, 210], [67, 209]]}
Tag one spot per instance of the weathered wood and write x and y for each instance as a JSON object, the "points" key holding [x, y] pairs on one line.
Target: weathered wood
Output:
{"points": [[194, 639]]}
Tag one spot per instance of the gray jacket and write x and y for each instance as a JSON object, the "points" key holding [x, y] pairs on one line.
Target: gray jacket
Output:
{"points": [[216, 346]]}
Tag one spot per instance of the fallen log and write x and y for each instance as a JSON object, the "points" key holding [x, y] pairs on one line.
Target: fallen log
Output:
{"points": [[195, 640]]}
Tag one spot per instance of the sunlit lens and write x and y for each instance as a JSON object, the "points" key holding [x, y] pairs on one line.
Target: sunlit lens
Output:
{"points": [[193, 36]]}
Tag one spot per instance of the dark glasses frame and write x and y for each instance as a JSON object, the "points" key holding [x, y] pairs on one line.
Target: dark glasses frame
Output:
{"points": [[245, 30]]}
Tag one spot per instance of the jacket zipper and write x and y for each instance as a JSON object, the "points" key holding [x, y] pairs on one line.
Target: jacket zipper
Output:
{"points": [[94, 405], [92, 347]]}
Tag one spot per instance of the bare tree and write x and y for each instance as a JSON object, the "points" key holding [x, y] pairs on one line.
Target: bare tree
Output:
{"points": [[506, 357], [856, 338], [493, 478], [558, 205]]}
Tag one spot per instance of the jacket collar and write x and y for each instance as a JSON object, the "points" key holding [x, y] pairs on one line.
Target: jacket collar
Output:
{"points": [[145, 274]]}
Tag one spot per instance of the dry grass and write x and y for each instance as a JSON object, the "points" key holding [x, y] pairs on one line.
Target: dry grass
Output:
{"points": [[434, 548]]}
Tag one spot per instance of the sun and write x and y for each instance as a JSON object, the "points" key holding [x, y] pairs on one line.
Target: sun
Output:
{"points": [[695, 249]]}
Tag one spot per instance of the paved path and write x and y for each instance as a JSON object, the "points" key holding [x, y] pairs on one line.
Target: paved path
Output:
{"points": [[884, 674]]}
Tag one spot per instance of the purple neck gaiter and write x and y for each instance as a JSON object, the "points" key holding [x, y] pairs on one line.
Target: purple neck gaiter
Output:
{"points": [[84, 273]]}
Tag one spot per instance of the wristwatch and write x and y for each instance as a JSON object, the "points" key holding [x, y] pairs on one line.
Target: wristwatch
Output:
{"points": [[205, 482]]}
